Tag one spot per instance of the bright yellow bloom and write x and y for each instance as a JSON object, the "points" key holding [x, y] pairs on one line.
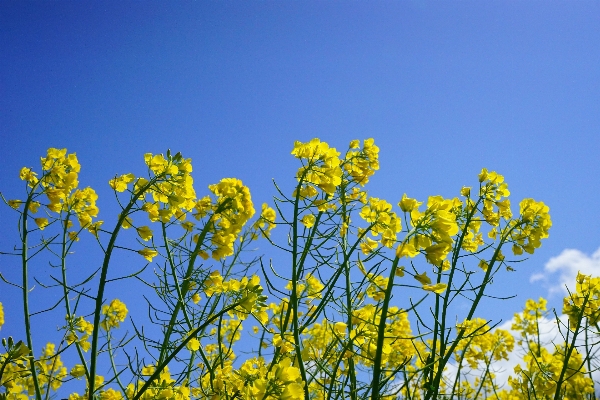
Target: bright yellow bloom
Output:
{"points": [[423, 278], [483, 265], [120, 183], [114, 314], [193, 345], [436, 253], [407, 204], [308, 220], [145, 233], [438, 288], [148, 370], [323, 165], [94, 228], [15, 204], [127, 223], [148, 254], [110, 394], [368, 245], [33, 207], [293, 391], [1, 315], [340, 328], [407, 249], [41, 223], [28, 175], [361, 165], [77, 371]]}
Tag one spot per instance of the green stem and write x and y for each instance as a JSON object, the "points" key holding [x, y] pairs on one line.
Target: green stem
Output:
{"points": [[377, 367], [25, 290], [569, 350], [102, 283]]}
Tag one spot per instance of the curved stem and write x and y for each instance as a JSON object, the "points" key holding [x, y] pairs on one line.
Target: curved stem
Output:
{"points": [[25, 292]]}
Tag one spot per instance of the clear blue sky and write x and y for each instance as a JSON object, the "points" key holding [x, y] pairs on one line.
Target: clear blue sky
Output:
{"points": [[445, 88]]}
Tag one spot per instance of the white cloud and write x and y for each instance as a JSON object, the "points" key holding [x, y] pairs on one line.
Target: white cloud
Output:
{"points": [[560, 271]]}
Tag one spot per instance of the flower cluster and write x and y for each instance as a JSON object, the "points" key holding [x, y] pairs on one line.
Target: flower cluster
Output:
{"points": [[541, 373], [480, 345], [322, 167], [16, 376], [434, 228], [378, 213], [59, 182], [169, 194], [534, 226], [232, 209], [78, 326], [584, 302], [265, 223], [493, 189], [361, 164], [114, 313], [253, 381]]}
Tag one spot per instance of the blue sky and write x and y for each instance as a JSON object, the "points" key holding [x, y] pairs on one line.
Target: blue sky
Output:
{"points": [[445, 88]]}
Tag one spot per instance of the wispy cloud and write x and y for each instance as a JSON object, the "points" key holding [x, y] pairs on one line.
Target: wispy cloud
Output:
{"points": [[560, 271]]}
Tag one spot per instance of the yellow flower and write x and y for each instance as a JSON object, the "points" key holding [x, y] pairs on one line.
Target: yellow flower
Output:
{"points": [[293, 391], [188, 226], [127, 223], [517, 250], [110, 394], [483, 265], [78, 371], [407, 249], [340, 328], [438, 288], [95, 228], [1, 315], [148, 370], [145, 233], [34, 206], [148, 254], [368, 245], [308, 220], [114, 313], [436, 253], [193, 345], [14, 204], [483, 175], [407, 204], [423, 278], [196, 298], [28, 175], [41, 223]]}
